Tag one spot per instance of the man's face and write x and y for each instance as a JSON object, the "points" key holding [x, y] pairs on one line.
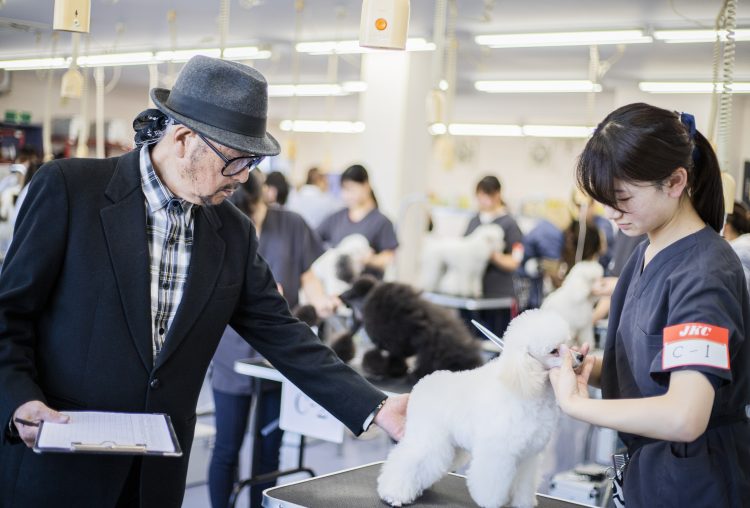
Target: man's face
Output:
{"points": [[201, 175]]}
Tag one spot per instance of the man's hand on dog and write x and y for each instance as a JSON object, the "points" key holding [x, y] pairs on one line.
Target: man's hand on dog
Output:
{"points": [[567, 384], [392, 417]]}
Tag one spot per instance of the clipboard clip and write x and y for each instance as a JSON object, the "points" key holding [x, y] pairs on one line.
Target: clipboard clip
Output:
{"points": [[108, 446]]}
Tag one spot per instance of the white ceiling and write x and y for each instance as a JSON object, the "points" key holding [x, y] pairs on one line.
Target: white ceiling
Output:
{"points": [[143, 25]]}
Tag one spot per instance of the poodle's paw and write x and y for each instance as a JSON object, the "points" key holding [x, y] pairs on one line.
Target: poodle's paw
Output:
{"points": [[397, 491], [487, 499]]}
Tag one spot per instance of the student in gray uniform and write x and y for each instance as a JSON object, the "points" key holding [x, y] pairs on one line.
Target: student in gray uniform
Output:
{"points": [[498, 279], [361, 216], [674, 375], [290, 247]]}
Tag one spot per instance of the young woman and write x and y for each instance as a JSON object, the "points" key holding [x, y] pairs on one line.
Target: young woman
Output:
{"points": [[737, 233], [361, 216], [290, 247], [674, 375], [498, 279]]}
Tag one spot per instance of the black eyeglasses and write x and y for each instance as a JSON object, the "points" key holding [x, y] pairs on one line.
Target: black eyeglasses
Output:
{"points": [[237, 164]]}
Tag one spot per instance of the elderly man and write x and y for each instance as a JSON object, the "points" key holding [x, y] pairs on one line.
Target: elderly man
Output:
{"points": [[122, 276]]}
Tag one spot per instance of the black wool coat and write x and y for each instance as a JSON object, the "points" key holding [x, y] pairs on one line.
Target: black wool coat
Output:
{"points": [[75, 330]]}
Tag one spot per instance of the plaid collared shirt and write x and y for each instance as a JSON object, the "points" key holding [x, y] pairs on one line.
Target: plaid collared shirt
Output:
{"points": [[169, 229]]}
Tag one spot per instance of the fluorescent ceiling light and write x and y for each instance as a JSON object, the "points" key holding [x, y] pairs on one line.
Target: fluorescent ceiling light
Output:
{"points": [[537, 86], [594, 38], [338, 127], [687, 36], [239, 53], [502, 130], [437, 129], [558, 131], [246, 53], [690, 87], [138, 58], [142, 58], [349, 47], [34, 63], [317, 90], [477, 129]]}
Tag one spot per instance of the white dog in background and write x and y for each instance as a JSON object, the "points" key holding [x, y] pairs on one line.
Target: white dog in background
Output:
{"points": [[455, 266], [574, 302], [338, 267], [502, 414]]}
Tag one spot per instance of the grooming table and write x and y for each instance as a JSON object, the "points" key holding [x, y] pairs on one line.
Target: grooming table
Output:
{"points": [[356, 488]]}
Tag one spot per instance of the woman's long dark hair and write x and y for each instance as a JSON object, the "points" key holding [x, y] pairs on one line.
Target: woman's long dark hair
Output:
{"points": [[643, 143], [358, 174], [249, 194]]}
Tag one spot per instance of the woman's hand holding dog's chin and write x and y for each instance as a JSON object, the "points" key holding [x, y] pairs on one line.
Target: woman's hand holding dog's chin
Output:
{"points": [[568, 385], [392, 416]]}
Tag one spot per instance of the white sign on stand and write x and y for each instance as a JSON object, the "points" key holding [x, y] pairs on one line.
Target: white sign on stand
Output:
{"points": [[302, 415]]}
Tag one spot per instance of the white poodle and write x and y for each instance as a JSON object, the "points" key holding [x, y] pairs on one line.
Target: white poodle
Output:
{"points": [[338, 267], [574, 302], [456, 266], [502, 414]]}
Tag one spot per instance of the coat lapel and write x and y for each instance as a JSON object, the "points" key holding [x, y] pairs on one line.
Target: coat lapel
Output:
{"points": [[206, 261], [124, 224]]}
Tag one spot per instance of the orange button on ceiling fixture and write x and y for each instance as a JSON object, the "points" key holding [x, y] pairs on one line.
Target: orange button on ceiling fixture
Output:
{"points": [[381, 24]]}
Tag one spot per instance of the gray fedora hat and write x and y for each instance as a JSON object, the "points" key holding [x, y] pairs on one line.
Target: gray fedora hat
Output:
{"points": [[225, 101]]}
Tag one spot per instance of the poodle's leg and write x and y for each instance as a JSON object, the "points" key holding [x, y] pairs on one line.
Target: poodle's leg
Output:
{"points": [[490, 476], [586, 335], [412, 466], [523, 493]]}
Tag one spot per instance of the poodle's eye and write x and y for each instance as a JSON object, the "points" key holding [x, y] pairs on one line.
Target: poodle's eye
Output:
{"points": [[554, 352]]}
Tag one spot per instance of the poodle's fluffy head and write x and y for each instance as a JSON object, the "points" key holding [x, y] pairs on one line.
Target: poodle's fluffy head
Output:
{"points": [[532, 347], [491, 235], [355, 296], [587, 272], [353, 250]]}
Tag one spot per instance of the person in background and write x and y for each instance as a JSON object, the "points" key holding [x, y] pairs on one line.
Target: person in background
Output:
{"points": [[276, 190], [361, 216], [582, 204], [498, 279], [312, 200], [624, 246], [29, 158], [542, 250], [737, 233], [674, 375], [290, 247]]}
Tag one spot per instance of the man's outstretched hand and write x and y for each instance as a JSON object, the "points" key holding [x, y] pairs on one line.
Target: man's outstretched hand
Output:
{"points": [[392, 416]]}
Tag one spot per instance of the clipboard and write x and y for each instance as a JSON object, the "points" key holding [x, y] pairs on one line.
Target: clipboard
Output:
{"points": [[109, 446]]}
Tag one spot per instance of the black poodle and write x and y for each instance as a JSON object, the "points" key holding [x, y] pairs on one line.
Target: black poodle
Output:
{"points": [[402, 324], [342, 343]]}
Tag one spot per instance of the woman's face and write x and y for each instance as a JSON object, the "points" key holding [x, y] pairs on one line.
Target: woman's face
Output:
{"points": [[646, 208], [355, 193], [488, 202]]}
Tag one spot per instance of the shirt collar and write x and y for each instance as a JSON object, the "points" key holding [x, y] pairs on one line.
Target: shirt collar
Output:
{"points": [[158, 196]]}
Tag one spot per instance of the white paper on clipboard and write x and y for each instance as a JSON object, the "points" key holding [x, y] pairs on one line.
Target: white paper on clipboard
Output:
{"points": [[107, 432]]}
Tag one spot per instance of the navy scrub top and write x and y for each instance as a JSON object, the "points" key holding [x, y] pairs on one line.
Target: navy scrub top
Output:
{"points": [[695, 285], [497, 283], [290, 247], [375, 226]]}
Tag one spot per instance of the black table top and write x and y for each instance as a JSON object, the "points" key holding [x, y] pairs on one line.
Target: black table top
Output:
{"points": [[356, 488]]}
